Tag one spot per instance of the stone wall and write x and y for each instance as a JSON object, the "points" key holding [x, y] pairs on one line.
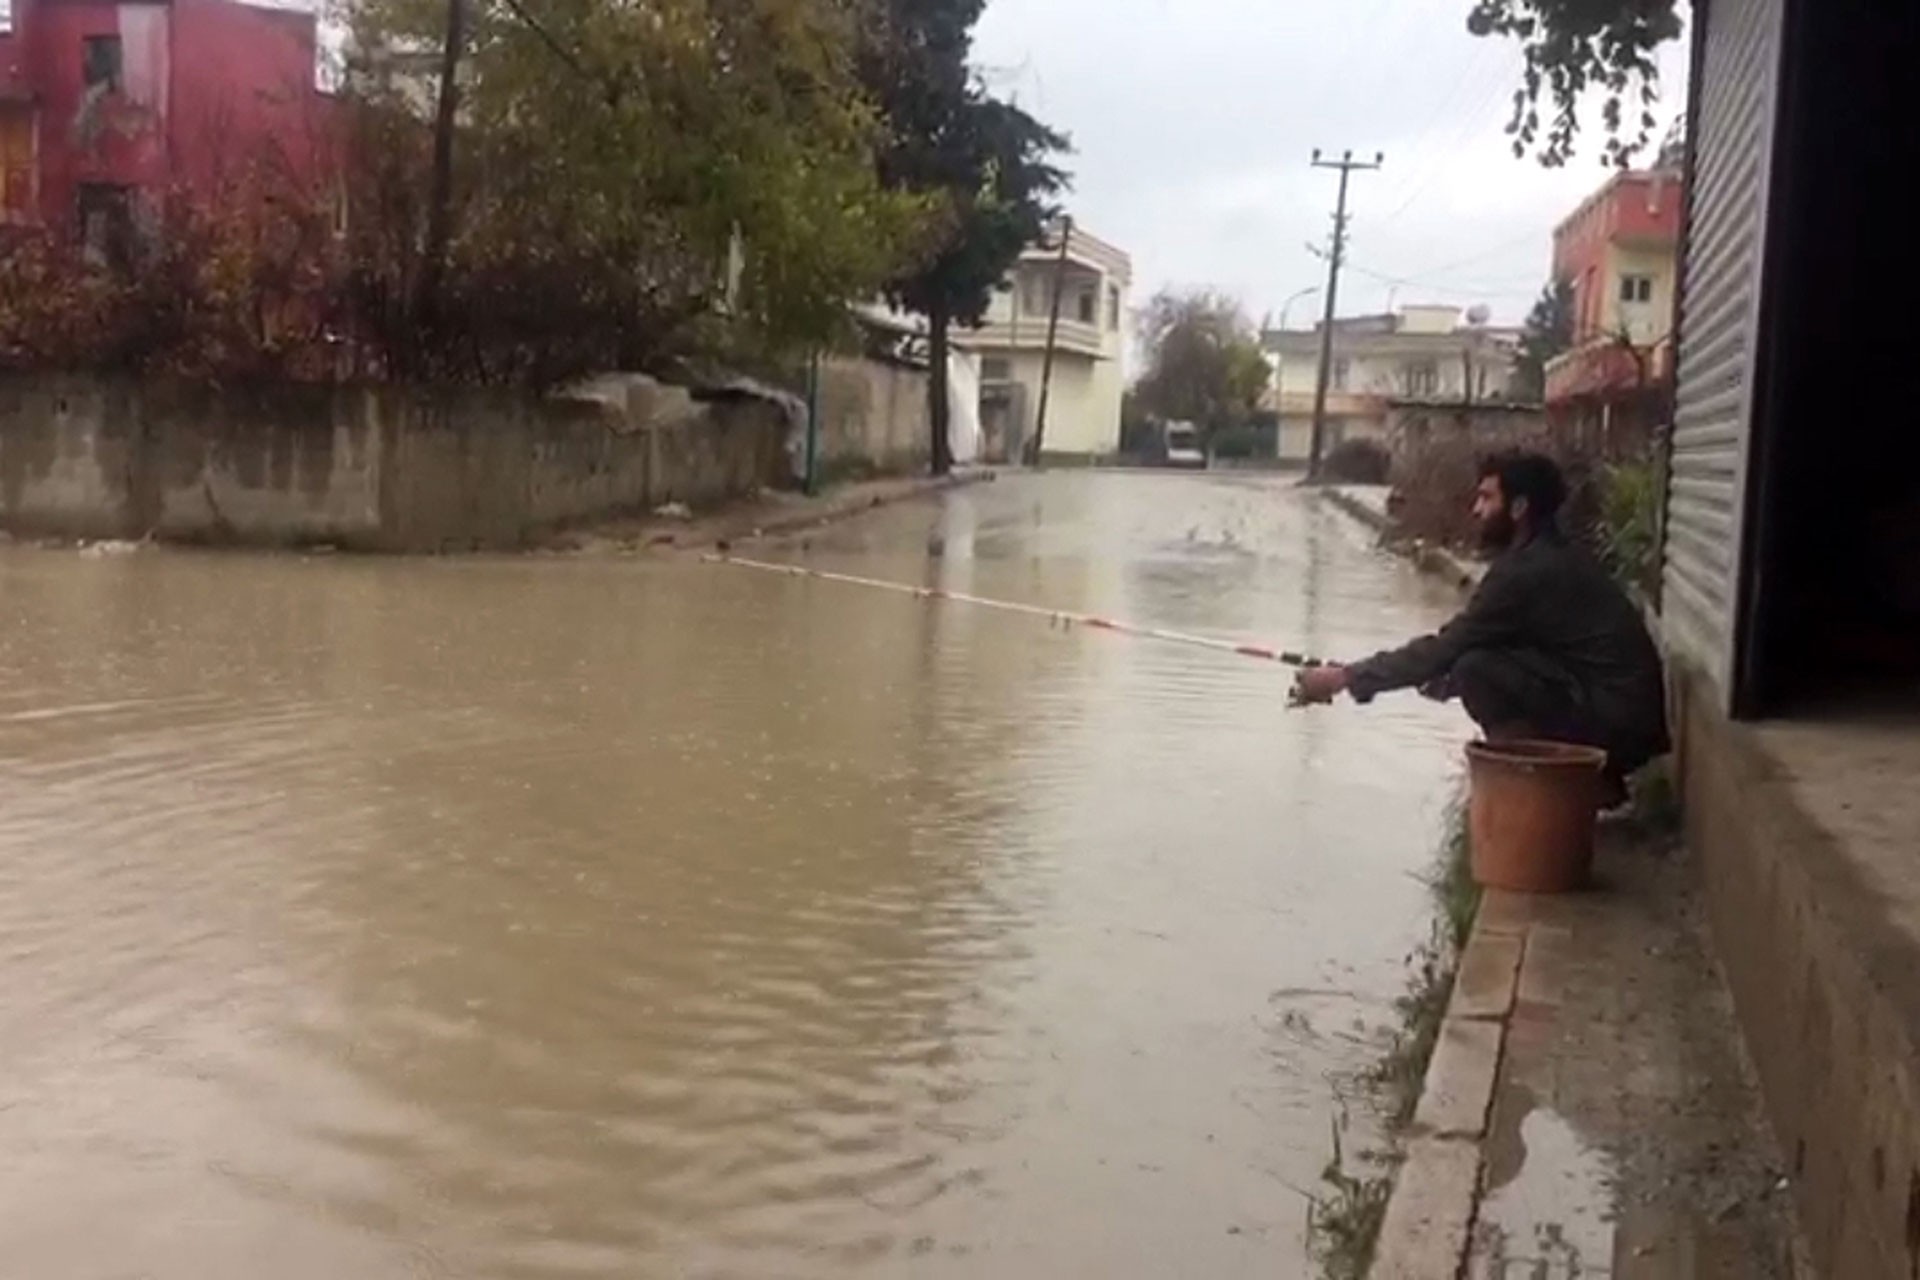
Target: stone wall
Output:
{"points": [[395, 468]]}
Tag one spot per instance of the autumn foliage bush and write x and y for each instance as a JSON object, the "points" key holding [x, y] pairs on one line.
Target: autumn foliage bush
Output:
{"points": [[240, 282], [1613, 489], [204, 290]]}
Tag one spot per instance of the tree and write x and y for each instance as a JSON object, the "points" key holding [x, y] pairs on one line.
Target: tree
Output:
{"points": [[985, 166], [1204, 363], [1547, 331], [631, 183], [1573, 47]]}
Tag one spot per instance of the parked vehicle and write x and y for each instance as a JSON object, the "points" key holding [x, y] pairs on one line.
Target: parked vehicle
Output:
{"points": [[1183, 446]]}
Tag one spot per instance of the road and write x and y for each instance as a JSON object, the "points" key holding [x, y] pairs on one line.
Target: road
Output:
{"points": [[643, 917]]}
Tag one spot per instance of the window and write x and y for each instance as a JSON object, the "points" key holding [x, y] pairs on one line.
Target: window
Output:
{"points": [[1341, 368], [1421, 378], [1087, 306], [995, 368], [100, 63], [1636, 288], [1035, 295], [1113, 306]]}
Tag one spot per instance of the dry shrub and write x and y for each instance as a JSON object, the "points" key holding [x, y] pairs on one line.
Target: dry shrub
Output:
{"points": [[1359, 461], [239, 286], [1435, 472]]}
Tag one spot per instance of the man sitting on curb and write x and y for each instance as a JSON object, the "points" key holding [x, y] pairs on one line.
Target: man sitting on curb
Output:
{"points": [[1548, 647]]}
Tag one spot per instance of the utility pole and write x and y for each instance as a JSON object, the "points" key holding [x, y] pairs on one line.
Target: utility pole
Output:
{"points": [[1053, 333], [1346, 164]]}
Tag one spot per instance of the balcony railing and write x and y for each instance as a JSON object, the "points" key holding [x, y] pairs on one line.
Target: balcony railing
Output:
{"points": [[1030, 334]]}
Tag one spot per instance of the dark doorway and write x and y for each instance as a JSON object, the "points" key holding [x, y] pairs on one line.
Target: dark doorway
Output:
{"points": [[1833, 567]]}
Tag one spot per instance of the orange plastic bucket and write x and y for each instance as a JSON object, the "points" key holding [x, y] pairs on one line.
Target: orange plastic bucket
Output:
{"points": [[1530, 814]]}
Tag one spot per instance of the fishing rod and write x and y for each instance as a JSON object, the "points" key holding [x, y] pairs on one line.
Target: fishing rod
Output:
{"points": [[1056, 617]]}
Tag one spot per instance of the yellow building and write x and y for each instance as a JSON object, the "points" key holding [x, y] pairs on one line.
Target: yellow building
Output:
{"points": [[1083, 403]]}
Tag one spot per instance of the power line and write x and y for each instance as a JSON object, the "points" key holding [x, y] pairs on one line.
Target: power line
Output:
{"points": [[1483, 254], [1472, 123], [1427, 282]]}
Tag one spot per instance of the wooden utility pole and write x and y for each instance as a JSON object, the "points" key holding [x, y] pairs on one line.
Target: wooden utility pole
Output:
{"points": [[1346, 164], [440, 193], [1053, 333]]}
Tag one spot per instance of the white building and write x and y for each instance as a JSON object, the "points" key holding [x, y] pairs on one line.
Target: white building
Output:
{"points": [[1421, 355], [1083, 404]]}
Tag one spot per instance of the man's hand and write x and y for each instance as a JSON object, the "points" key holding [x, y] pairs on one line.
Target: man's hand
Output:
{"points": [[1316, 685]]}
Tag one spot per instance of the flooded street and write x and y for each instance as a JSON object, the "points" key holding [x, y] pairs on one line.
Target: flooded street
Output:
{"points": [[630, 918]]}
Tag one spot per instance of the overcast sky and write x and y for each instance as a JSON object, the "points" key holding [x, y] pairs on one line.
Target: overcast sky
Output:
{"points": [[1194, 122]]}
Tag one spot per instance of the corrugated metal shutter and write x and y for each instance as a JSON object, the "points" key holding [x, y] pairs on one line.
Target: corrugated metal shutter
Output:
{"points": [[1732, 148]]}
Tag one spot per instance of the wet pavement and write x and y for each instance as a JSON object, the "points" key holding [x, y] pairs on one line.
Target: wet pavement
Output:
{"points": [[635, 917], [1627, 1137]]}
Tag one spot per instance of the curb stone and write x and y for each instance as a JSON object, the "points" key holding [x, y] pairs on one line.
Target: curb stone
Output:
{"points": [[1432, 1208]]}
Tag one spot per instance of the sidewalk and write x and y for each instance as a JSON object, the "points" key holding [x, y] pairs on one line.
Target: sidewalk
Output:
{"points": [[1589, 1110], [772, 513]]}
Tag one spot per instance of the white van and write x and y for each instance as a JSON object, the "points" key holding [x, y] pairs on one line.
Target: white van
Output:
{"points": [[1183, 446]]}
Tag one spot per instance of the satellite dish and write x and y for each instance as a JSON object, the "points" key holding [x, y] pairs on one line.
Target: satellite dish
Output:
{"points": [[1478, 314]]}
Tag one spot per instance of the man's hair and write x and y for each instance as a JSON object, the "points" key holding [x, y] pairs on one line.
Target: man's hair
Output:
{"points": [[1532, 476]]}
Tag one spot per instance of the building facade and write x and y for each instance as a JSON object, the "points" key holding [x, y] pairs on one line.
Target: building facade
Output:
{"points": [[1790, 592], [1089, 377], [104, 105], [1426, 357], [1619, 253]]}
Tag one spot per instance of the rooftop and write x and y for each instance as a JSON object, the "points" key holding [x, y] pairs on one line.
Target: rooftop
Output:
{"points": [[1625, 178], [1086, 248], [1409, 327]]}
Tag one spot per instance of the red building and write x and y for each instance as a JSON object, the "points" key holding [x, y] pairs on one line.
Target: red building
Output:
{"points": [[103, 103], [1620, 253]]}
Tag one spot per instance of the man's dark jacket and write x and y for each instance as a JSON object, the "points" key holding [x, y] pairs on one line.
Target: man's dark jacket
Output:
{"points": [[1553, 607]]}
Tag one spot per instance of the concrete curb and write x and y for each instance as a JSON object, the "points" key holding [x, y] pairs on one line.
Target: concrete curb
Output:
{"points": [[832, 510], [1439, 561], [1431, 1211]]}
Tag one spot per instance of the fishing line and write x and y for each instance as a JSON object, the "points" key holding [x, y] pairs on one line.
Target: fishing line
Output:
{"points": [[1057, 617]]}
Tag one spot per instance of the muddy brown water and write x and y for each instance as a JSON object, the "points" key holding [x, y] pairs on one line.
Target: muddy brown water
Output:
{"points": [[603, 917]]}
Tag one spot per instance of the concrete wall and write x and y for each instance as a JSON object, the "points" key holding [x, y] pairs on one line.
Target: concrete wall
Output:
{"points": [[873, 417], [1650, 321], [376, 468], [1820, 954], [1083, 402]]}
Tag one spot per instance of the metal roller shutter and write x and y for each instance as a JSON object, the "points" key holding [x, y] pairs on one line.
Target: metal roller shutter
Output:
{"points": [[1732, 147]]}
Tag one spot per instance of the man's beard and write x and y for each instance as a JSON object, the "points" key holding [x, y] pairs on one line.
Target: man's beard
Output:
{"points": [[1497, 531]]}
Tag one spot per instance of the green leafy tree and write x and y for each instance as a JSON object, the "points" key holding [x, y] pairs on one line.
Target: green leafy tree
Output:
{"points": [[1204, 363], [630, 182], [1572, 48], [1546, 332], [984, 166]]}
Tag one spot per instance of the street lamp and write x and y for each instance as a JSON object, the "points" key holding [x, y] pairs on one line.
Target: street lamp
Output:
{"points": [[1288, 304]]}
